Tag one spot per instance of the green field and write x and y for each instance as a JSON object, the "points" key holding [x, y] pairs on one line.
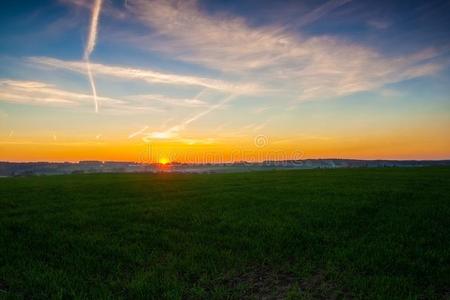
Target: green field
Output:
{"points": [[306, 234]]}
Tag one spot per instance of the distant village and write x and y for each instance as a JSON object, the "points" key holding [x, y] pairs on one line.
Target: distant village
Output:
{"points": [[8, 169]]}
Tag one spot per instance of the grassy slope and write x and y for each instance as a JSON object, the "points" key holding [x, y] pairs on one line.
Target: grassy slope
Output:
{"points": [[363, 233]]}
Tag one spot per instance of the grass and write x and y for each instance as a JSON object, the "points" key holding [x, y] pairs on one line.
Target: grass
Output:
{"points": [[308, 234]]}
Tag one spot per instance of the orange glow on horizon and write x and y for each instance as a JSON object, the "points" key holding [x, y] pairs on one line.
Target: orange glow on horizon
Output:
{"points": [[164, 161], [407, 144]]}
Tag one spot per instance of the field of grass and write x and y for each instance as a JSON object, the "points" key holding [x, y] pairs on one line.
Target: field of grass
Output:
{"points": [[307, 234]]}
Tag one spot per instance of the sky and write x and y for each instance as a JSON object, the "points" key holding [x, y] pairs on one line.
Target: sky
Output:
{"points": [[221, 81]]}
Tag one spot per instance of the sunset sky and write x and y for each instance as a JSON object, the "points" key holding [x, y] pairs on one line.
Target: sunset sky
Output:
{"points": [[216, 81]]}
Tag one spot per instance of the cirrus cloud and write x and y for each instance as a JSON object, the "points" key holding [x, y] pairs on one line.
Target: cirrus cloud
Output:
{"points": [[146, 75], [307, 67]]}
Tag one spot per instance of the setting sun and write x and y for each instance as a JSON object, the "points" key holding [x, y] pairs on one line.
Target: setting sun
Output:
{"points": [[164, 161]]}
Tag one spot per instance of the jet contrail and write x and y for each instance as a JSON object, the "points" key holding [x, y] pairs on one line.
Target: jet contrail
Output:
{"points": [[210, 109], [173, 131], [91, 81], [90, 45], [132, 135], [194, 118]]}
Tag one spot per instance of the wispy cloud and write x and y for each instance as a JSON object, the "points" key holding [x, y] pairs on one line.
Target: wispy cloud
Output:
{"points": [[206, 111], [93, 29], [140, 131], [33, 92], [309, 67], [321, 11], [160, 135], [170, 101], [207, 141], [174, 131], [149, 76], [90, 45], [40, 93]]}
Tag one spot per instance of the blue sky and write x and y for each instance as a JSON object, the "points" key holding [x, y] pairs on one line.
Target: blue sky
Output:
{"points": [[187, 73]]}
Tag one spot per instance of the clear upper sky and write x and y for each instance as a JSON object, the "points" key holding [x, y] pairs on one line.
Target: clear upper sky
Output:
{"points": [[224, 80]]}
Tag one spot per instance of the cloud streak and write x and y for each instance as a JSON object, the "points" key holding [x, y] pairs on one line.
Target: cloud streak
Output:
{"points": [[321, 11], [40, 93], [140, 131], [90, 45], [206, 111], [173, 131], [169, 101], [149, 76], [34, 92], [306, 67]]}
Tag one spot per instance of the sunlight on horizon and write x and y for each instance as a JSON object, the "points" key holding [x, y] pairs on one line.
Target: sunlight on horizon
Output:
{"points": [[164, 161]]}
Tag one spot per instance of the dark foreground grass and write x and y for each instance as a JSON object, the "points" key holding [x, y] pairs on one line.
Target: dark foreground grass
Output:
{"points": [[361, 233]]}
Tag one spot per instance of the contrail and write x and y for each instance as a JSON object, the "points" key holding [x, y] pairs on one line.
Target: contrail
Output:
{"points": [[210, 109], [194, 118], [91, 81], [174, 130], [132, 135], [90, 45]]}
